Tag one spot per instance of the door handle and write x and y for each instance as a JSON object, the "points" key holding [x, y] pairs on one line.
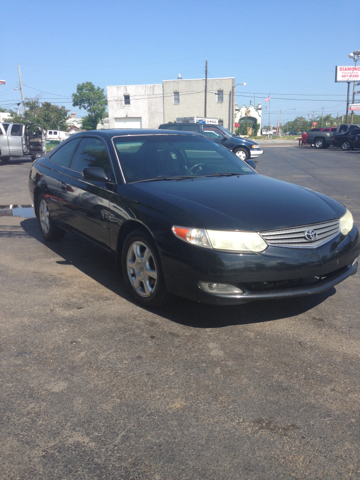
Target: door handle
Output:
{"points": [[63, 186]]}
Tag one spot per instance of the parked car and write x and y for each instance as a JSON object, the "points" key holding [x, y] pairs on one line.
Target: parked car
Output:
{"points": [[345, 140], [328, 129], [320, 137], [356, 142], [244, 148], [184, 215], [12, 141], [16, 141]]}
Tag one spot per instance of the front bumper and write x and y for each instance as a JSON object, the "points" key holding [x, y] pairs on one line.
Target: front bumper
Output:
{"points": [[255, 153], [274, 274]]}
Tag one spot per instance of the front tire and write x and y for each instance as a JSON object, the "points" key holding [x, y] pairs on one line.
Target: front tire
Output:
{"points": [[5, 160], [49, 230], [142, 270], [346, 145], [242, 154]]}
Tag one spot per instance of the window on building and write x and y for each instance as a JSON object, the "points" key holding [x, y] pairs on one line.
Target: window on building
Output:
{"points": [[221, 122], [220, 95], [126, 99], [176, 97]]}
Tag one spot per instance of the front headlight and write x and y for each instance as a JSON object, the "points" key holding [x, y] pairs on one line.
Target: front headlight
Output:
{"points": [[346, 223], [219, 240]]}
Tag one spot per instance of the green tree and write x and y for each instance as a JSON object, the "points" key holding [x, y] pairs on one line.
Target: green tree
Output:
{"points": [[255, 128], [244, 127], [49, 116], [93, 100]]}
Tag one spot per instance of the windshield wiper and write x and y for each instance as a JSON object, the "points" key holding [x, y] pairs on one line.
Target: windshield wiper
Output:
{"points": [[224, 174], [162, 177]]}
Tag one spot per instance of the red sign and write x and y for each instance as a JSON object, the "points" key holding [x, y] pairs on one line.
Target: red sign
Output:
{"points": [[314, 123], [2, 82]]}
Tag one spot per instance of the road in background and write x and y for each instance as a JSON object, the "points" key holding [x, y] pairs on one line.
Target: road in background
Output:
{"points": [[93, 386]]}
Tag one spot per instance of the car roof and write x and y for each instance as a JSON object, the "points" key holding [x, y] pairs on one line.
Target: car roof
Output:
{"points": [[117, 132]]}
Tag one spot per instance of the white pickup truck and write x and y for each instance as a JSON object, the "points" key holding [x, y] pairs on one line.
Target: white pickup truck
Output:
{"points": [[15, 141]]}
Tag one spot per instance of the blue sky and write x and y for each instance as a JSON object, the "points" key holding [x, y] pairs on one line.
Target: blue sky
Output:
{"points": [[286, 48]]}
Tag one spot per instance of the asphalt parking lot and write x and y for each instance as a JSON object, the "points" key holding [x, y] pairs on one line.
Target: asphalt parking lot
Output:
{"points": [[94, 387]]}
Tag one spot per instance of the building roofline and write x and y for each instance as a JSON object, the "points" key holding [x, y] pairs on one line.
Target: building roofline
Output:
{"points": [[194, 79], [136, 85]]}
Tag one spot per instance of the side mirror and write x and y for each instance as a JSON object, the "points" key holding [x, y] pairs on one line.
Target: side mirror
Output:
{"points": [[251, 163], [95, 173]]}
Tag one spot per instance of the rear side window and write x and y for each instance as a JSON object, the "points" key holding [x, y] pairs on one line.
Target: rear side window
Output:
{"points": [[169, 126], [189, 127], [64, 154], [92, 152]]}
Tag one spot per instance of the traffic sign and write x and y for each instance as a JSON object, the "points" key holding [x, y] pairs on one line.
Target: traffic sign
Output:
{"points": [[354, 106]]}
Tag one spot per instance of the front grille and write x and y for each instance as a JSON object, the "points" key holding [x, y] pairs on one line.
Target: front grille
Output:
{"points": [[301, 236]]}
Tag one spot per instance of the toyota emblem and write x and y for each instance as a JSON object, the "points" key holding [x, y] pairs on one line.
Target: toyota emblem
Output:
{"points": [[311, 235]]}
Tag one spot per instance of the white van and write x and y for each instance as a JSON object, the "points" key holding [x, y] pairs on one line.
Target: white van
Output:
{"points": [[57, 135]]}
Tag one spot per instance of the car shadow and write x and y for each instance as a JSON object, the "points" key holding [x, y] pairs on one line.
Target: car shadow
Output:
{"points": [[17, 161], [100, 266]]}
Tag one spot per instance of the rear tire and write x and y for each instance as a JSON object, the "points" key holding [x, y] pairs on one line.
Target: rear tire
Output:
{"points": [[5, 160], [49, 230], [346, 145], [142, 271], [319, 143]]}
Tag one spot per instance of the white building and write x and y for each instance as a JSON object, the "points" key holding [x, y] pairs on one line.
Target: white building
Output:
{"points": [[73, 121], [250, 113], [5, 117], [135, 106], [148, 106]]}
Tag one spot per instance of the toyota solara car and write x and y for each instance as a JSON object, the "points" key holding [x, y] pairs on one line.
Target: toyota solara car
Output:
{"points": [[183, 215]]}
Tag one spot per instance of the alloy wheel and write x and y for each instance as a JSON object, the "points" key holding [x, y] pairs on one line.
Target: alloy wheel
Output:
{"points": [[44, 217], [141, 269]]}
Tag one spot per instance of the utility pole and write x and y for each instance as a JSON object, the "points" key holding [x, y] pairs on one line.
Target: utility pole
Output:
{"points": [[322, 114], [21, 90], [232, 129], [205, 101]]}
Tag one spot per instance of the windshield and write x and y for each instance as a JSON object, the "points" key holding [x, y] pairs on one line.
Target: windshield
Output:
{"points": [[225, 131], [166, 157]]}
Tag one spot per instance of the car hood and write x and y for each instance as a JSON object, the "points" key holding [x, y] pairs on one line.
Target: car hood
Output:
{"points": [[244, 202], [245, 140]]}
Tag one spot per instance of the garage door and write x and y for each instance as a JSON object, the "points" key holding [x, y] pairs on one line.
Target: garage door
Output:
{"points": [[128, 122]]}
